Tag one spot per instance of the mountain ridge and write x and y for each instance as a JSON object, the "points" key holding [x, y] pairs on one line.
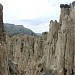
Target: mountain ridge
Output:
{"points": [[13, 29]]}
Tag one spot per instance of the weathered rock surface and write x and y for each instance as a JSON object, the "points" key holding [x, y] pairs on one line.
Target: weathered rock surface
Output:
{"points": [[52, 53], [61, 47], [3, 49], [27, 52]]}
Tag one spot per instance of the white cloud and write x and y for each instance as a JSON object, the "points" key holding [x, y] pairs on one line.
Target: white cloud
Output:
{"points": [[39, 28], [16, 10], [27, 9]]}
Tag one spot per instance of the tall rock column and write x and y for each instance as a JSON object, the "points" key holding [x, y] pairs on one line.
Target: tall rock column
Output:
{"points": [[65, 10], [3, 50], [65, 47]]}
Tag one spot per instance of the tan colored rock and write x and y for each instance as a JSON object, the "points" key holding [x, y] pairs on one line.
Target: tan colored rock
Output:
{"points": [[3, 47], [49, 54]]}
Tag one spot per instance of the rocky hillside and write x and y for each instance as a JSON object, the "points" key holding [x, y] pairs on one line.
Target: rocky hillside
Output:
{"points": [[52, 53], [12, 29]]}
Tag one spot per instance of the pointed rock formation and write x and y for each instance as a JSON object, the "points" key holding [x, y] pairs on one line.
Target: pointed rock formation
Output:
{"points": [[51, 53], [3, 48]]}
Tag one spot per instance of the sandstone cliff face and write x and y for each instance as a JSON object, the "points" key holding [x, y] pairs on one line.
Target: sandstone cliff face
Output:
{"points": [[3, 48], [62, 60], [49, 54], [27, 52]]}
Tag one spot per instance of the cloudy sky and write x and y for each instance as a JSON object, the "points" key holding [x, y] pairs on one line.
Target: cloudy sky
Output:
{"points": [[33, 14]]}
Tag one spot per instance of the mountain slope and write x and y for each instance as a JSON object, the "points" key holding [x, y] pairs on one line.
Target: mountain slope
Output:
{"points": [[13, 29]]}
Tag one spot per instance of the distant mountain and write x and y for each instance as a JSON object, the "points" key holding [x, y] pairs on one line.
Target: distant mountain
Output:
{"points": [[39, 34], [13, 29]]}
